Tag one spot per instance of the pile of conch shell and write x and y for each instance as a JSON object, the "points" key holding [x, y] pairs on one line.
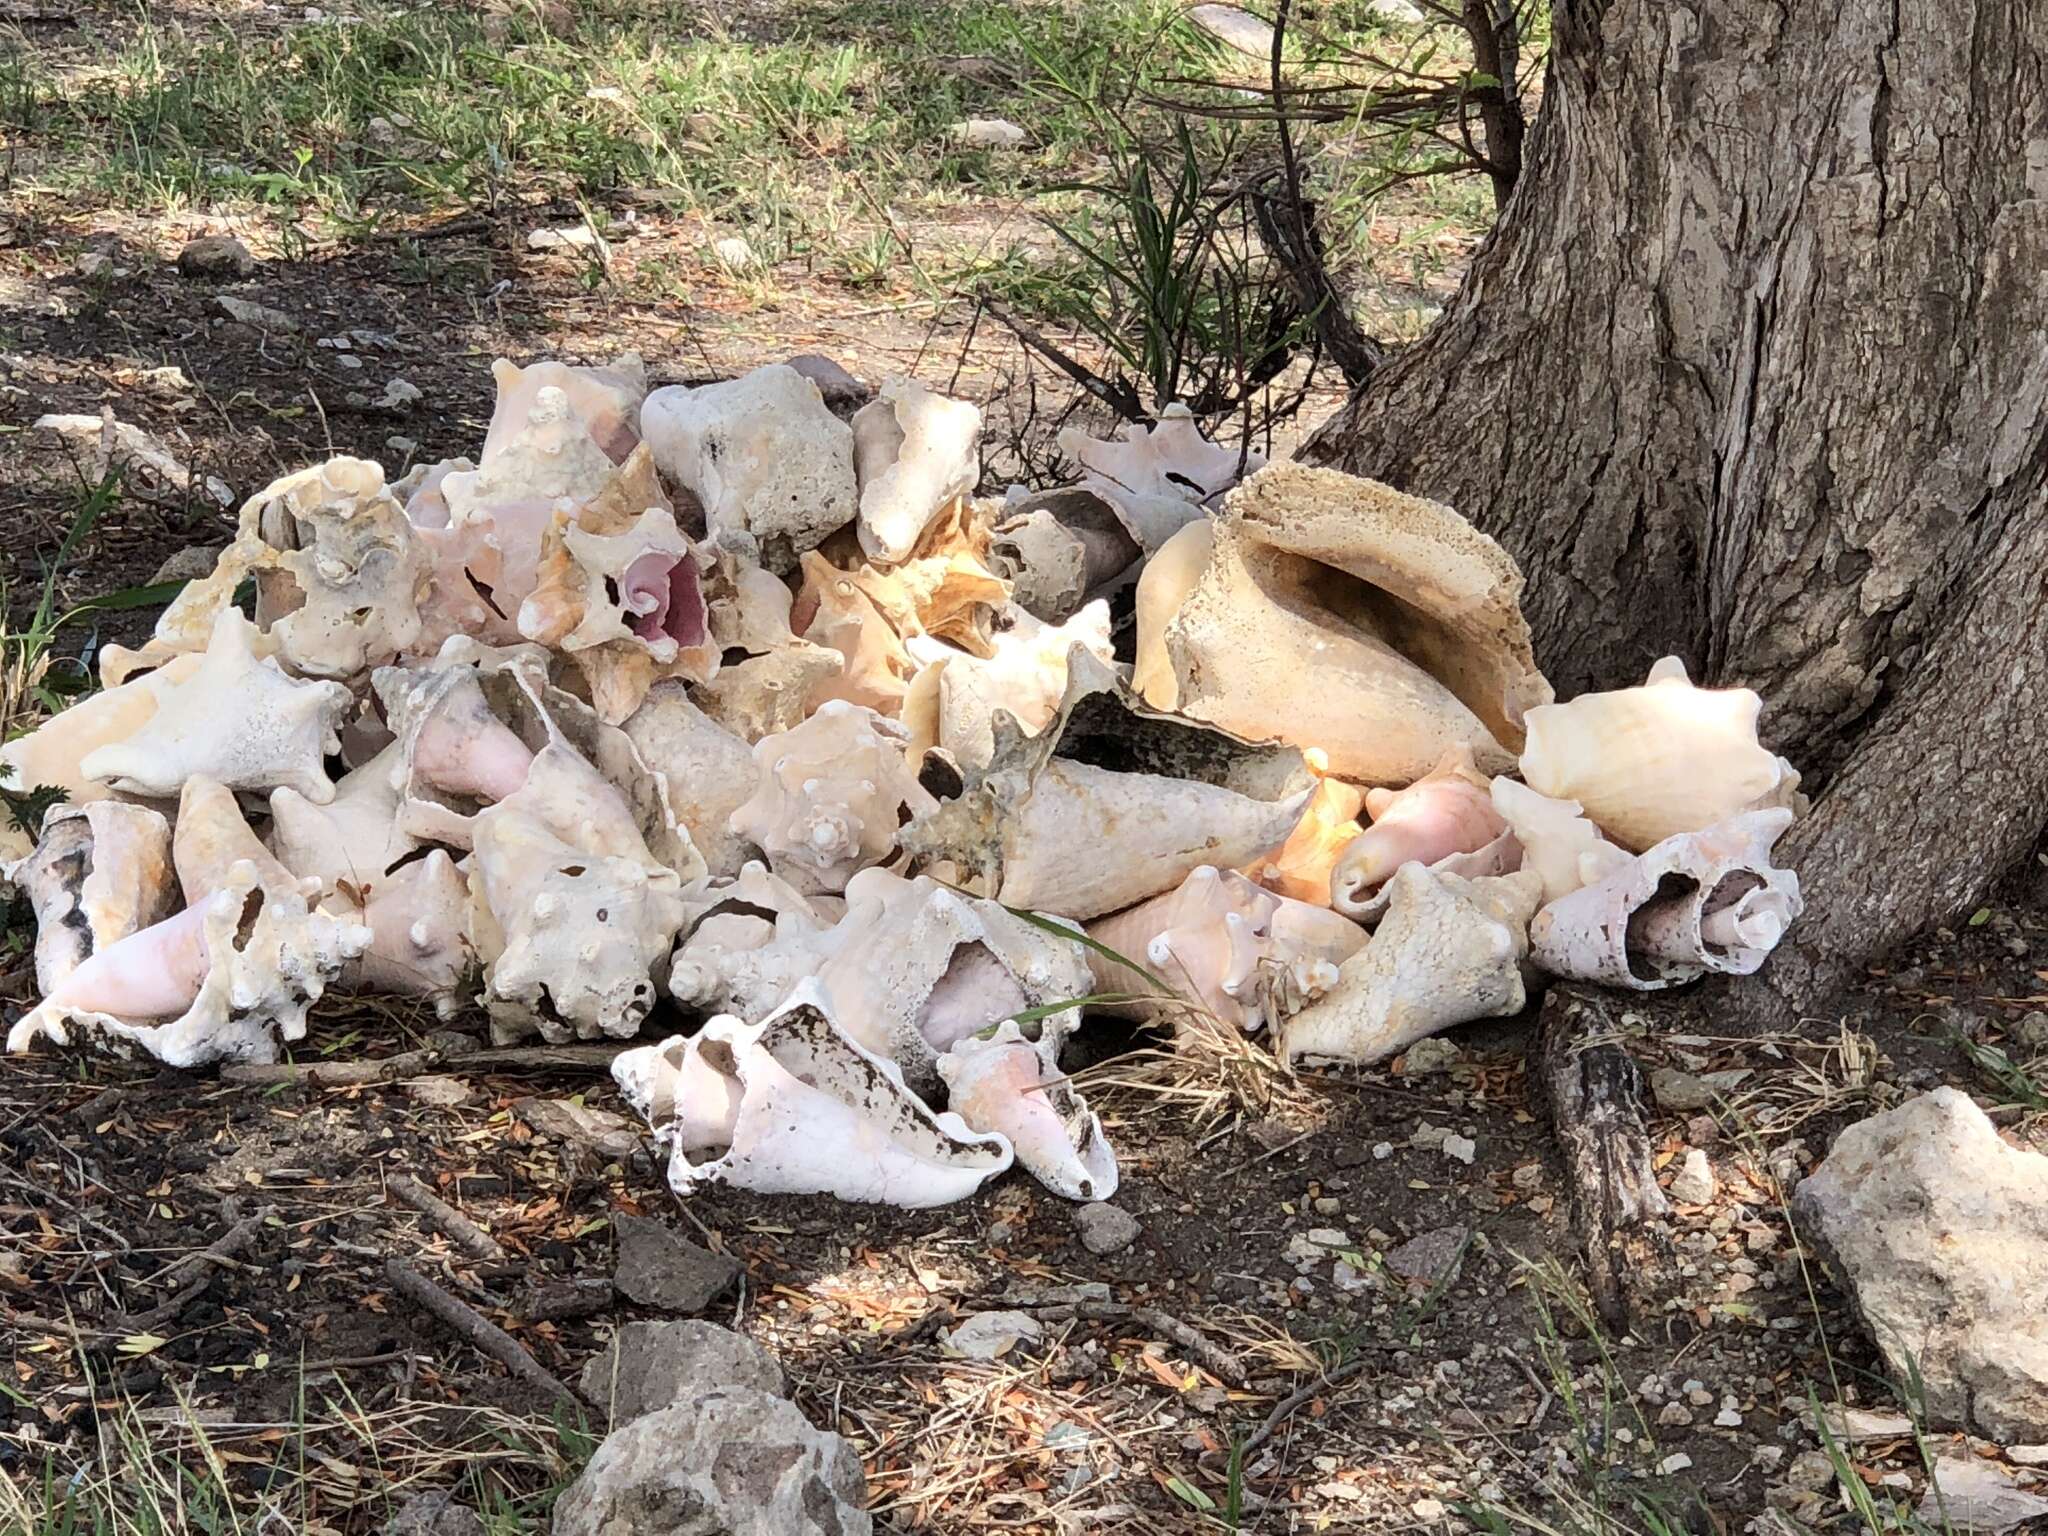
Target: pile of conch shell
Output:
{"points": [[708, 703]]}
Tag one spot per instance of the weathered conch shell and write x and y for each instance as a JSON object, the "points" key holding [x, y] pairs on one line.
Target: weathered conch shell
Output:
{"points": [[953, 701], [1649, 762], [605, 400], [1301, 867], [840, 616], [1335, 613], [1045, 827], [748, 942], [793, 1106], [1058, 547], [419, 919], [100, 872], [1448, 950], [1157, 478], [771, 464], [1445, 819], [1246, 956], [237, 718], [574, 918], [1557, 841], [1012, 1086], [1693, 903], [351, 840], [224, 979], [710, 771], [830, 796], [913, 451]]}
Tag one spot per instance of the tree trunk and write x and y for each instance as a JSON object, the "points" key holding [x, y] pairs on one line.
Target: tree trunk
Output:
{"points": [[1754, 369]]}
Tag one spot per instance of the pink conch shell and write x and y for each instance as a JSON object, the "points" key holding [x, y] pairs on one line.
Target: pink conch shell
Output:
{"points": [[1649, 762], [1693, 903], [1442, 816], [1301, 867], [354, 838], [1013, 1087], [605, 401], [283, 729], [418, 916], [1242, 954], [1157, 478], [99, 873], [1448, 950], [816, 1114]]}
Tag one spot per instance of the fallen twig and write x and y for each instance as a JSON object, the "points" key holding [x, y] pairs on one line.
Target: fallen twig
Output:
{"points": [[1218, 1362], [1285, 1408], [422, 1063], [197, 1269], [473, 1328], [458, 1228]]}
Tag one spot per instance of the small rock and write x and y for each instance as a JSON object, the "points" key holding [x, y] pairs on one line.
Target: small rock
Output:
{"points": [[1105, 1228], [348, 362], [1326, 1205], [734, 1461], [1382, 1150], [734, 254], [188, 564], [400, 395], [1967, 1494], [577, 237], [651, 1366], [611, 1136], [261, 316], [449, 1042], [216, 257], [434, 1514], [1811, 1469], [2028, 1455], [1675, 1416], [2030, 1034], [1679, 1091], [987, 133], [1432, 1053], [97, 264], [1676, 1462], [843, 392], [1702, 1131], [1460, 1149], [1428, 1509], [439, 1092], [1728, 1418], [659, 1268], [1527, 1177], [1693, 1184], [1434, 1256], [991, 1335]]}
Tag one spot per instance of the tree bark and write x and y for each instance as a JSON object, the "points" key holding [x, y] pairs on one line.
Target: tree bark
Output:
{"points": [[1754, 369]]}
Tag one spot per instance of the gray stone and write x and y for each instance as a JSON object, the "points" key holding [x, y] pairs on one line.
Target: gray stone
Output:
{"points": [[1966, 1494], [1432, 1257], [658, 1268], [991, 1335], [1432, 1053], [434, 1514], [651, 1366], [261, 316], [1939, 1231], [605, 1133], [1693, 1184], [216, 256], [1105, 1228], [734, 1462], [188, 564]]}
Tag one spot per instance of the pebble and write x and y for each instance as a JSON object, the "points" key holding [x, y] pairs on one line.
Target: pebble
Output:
{"points": [[1430, 1054], [1728, 1418], [399, 394], [1105, 1228], [1675, 1416], [1677, 1461], [987, 133], [1382, 1150], [1461, 1149], [1327, 1205], [735, 254], [216, 256], [1693, 1184], [261, 316], [1428, 1509]]}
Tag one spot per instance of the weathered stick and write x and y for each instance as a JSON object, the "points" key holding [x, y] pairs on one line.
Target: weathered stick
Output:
{"points": [[200, 1266], [458, 1228], [474, 1329], [392, 1069], [1219, 1363], [1594, 1089]]}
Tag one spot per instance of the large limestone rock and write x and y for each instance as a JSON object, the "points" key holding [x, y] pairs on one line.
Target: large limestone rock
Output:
{"points": [[734, 1462], [651, 1366], [1939, 1229]]}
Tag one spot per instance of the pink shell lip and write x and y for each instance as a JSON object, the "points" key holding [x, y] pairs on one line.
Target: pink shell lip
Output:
{"points": [[664, 600]]}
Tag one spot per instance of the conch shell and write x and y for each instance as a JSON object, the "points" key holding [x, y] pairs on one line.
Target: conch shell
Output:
{"points": [[281, 731], [748, 941], [1301, 868], [830, 795], [1244, 955], [354, 838], [419, 917], [1649, 762], [1445, 819], [1058, 548], [1693, 903], [954, 699], [1008, 1085], [1333, 612], [1557, 841], [710, 771], [605, 401], [1448, 950], [1045, 827], [840, 616], [913, 451], [792, 1106], [100, 872], [1157, 478]]}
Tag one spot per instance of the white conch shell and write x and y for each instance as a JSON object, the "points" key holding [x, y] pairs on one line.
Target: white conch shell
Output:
{"points": [[419, 918], [99, 873], [50, 755], [1008, 1085], [771, 464], [1243, 954], [1445, 819], [605, 400], [1558, 842], [914, 968], [1649, 762], [710, 771], [830, 796], [1424, 646], [749, 941], [769, 694], [793, 1106], [545, 455], [237, 718], [1448, 950], [1057, 547], [1164, 586], [1054, 834], [840, 616], [1695, 902], [914, 451], [1302, 866], [354, 838], [573, 917], [953, 700], [1157, 478], [229, 976]]}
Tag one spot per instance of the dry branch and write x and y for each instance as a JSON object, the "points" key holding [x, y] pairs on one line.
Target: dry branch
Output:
{"points": [[473, 1328], [458, 1228]]}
